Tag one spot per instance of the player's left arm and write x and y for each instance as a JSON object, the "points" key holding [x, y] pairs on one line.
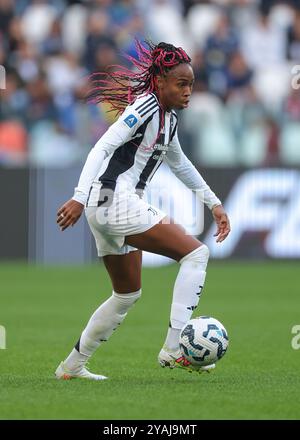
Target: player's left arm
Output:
{"points": [[190, 176]]}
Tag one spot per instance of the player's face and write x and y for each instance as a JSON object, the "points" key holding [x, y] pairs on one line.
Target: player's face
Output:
{"points": [[175, 87]]}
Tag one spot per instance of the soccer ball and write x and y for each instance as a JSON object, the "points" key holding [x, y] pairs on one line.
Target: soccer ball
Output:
{"points": [[203, 341]]}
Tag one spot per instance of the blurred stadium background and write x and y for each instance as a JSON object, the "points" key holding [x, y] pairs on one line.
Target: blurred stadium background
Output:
{"points": [[242, 131]]}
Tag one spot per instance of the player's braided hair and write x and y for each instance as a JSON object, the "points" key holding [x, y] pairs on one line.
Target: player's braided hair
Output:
{"points": [[122, 86]]}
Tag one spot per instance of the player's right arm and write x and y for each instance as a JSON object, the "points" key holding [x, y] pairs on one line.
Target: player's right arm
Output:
{"points": [[117, 134]]}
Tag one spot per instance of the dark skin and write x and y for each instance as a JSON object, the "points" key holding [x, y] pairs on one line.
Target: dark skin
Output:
{"points": [[175, 88], [165, 238]]}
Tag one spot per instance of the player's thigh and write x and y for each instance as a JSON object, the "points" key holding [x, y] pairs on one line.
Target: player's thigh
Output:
{"points": [[124, 271], [165, 238]]}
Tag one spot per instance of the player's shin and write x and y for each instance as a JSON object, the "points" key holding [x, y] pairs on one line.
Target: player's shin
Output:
{"points": [[100, 327], [186, 294]]}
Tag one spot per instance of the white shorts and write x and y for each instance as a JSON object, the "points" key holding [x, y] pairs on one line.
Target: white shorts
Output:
{"points": [[127, 215]]}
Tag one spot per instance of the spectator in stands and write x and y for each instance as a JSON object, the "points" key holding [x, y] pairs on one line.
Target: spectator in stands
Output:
{"points": [[293, 39], [218, 50]]}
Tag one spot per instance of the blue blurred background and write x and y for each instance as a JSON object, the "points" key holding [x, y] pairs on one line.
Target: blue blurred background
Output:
{"points": [[242, 129]]}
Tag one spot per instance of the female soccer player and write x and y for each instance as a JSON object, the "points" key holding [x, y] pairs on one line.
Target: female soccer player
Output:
{"points": [[110, 189]]}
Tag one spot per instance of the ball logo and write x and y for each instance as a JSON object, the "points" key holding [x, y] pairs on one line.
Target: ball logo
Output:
{"points": [[131, 120]]}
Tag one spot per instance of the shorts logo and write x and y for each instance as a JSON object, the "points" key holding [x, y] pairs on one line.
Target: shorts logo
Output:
{"points": [[131, 120], [154, 212]]}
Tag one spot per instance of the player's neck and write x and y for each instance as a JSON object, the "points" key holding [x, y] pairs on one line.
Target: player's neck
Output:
{"points": [[162, 102]]}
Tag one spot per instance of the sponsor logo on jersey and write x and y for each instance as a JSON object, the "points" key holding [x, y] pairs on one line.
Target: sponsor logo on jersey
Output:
{"points": [[161, 147], [131, 120]]}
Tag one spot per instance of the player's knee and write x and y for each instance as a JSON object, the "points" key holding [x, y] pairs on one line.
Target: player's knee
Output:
{"points": [[122, 302], [199, 255]]}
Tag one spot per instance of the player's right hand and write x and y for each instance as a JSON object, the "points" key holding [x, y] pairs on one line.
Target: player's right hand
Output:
{"points": [[69, 213]]}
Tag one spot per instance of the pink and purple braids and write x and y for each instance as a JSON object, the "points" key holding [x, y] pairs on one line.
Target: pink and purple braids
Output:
{"points": [[122, 86]]}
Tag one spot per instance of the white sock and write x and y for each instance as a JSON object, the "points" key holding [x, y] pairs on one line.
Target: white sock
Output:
{"points": [[186, 294], [100, 327], [75, 360]]}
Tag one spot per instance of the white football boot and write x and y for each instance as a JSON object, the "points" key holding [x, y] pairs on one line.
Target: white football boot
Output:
{"points": [[174, 359], [64, 373]]}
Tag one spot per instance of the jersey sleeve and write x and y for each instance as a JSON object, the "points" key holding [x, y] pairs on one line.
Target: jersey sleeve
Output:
{"points": [[118, 134], [187, 173], [122, 130]]}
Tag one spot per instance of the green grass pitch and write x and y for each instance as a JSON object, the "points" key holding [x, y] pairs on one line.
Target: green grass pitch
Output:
{"points": [[44, 310]]}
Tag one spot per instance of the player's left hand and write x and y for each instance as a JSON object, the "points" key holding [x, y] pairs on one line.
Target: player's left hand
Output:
{"points": [[222, 221]]}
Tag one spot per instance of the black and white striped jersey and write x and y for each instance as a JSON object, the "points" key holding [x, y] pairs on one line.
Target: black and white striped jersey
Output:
{"points": [[132, 149]]}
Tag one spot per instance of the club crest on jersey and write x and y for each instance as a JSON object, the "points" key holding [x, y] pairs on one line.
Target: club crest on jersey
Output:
{"points": [[131, 120]]}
